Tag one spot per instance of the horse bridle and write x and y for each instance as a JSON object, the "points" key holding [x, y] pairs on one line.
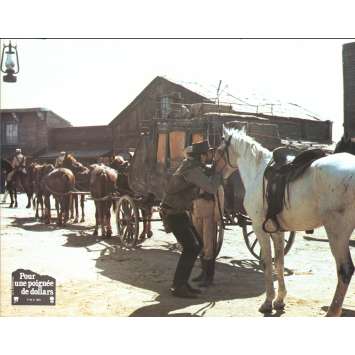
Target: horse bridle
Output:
{"points": [[225, 152]]}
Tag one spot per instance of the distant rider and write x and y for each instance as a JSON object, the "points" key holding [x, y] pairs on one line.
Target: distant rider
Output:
{"points": [[18, 164]]}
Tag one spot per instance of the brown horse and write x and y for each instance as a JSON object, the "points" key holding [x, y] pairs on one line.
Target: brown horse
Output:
{"points": [[37, 173], [102, 185], [82, 175], [60, 183], [122, 167]]}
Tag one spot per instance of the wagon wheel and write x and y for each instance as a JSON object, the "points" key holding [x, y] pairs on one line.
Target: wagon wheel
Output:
{"points": [[253, 245], [220, 235], [127, 219]]}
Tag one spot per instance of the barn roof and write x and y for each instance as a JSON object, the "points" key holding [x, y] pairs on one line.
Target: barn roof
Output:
{"points": [[32, 109], [250, 103], [155, 81], [29, 109]]}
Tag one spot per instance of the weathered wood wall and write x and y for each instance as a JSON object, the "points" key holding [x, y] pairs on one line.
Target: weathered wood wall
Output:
{"points": [[126, 125], [87, 137], [33, 130]]}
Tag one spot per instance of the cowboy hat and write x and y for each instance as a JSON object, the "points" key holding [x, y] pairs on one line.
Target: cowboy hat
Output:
{"points": [[201, 147]]}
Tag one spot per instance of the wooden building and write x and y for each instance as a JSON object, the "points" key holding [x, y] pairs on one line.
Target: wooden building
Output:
{"points": [[160, 98], [86, 143], [28, 129], [291, 129], [163, 99]]}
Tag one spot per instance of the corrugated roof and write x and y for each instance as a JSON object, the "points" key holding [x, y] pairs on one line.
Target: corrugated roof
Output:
{"points": [[252, 103]]}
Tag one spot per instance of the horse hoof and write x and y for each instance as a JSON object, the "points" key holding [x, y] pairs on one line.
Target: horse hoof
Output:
{"points": [[149, 234], [333, 313], [279, 305], [94, 233], [266, 308], [75, 220], [82, 220]]}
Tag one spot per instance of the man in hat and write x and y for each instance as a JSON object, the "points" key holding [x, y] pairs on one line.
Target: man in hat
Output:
{"points": [[18, 163], [183, 187], [60, 159]]}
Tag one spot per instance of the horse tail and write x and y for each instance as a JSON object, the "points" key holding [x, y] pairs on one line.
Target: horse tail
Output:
{"points": [[101, 191], [103, 180]]}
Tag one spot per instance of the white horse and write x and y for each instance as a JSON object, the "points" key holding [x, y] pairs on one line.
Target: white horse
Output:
{"points": [[323, 196]]}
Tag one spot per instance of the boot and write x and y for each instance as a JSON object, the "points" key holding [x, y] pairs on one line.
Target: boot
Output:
{"points": [[202, 275], [208, 280], [196, 291], [182, 292]]}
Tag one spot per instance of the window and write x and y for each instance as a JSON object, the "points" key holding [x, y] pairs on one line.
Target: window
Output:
{"points": [[11, 131], [165, 106]]}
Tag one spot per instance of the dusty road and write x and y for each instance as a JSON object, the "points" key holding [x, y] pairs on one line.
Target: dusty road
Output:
{"points": [[96, 277]]}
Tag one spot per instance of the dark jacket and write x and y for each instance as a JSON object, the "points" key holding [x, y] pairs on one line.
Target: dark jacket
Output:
{"points": [[185, 184]]}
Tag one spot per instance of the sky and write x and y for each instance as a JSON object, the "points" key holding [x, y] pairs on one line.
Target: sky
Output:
{"points": [[89, 82]]}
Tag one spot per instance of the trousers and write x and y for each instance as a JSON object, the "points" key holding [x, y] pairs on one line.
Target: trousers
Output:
{"points": [[204, 221], [185, 233]]}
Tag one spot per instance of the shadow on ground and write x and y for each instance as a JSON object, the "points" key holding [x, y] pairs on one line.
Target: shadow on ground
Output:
{"points": [[346, 312], [153, 268], [85, 239], [34, 225], [312, 239]]}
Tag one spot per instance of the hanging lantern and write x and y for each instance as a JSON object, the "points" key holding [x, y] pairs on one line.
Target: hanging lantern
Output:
{"points": [[11, 64]]}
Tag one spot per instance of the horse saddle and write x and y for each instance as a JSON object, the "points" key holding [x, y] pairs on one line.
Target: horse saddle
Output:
{"points": [[278, 175]]}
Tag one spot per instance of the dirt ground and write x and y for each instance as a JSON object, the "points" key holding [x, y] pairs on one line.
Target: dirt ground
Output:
{"points": [[97, 278]]}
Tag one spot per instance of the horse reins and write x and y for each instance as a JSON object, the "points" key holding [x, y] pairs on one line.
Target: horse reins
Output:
{"points": [[225, 152]]}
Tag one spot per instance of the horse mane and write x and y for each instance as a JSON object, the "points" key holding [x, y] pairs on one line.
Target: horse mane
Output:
{"points": [[246, 145], [74, 162]]}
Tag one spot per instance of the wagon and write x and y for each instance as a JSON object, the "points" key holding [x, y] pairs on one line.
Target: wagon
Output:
{"points": [[159, 152]]}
